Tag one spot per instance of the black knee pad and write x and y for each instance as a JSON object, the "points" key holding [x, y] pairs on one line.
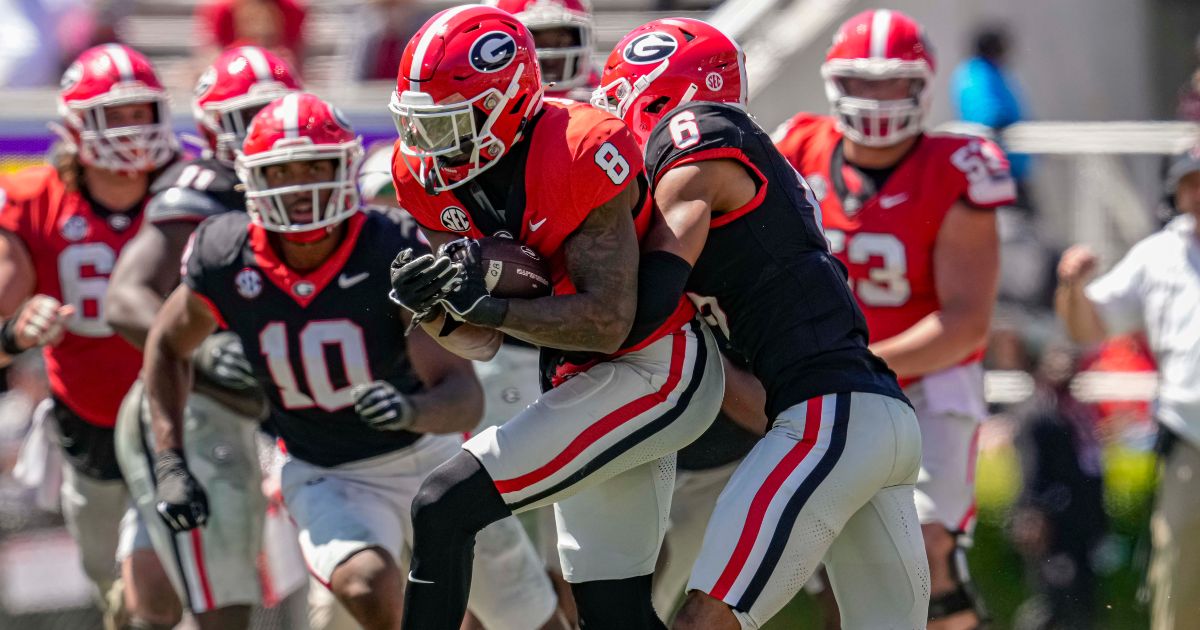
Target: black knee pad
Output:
{"points": [[616, 604], [965, 596], [457, 499]]}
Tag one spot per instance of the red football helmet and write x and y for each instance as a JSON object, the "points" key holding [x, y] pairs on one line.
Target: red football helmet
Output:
{"points": [[468, 85], [875, 45], [563, 67], [232, 90], [300, 127], [108, 76], [666, 63]]}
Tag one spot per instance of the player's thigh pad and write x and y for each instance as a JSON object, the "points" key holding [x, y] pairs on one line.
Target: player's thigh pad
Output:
{"points": [[949, 407], [344, 509], [613, 530], [877, 566], [789, 499], [93, 510], [214, 566], [692, 503], [618, 415], [510, 383], [510, 589]]}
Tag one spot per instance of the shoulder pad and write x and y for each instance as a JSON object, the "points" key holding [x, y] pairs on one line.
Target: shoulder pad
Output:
{"points": [[182, 204], [219, 241], [695, 128]]}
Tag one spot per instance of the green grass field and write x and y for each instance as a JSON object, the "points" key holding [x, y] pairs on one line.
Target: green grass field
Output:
{"points": [[1129, 478]]}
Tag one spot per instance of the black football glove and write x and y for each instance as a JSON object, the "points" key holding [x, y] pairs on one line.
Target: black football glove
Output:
{"points": [[382, 407], [179, 499], [469, 299], [418, 281], [221, 360]]}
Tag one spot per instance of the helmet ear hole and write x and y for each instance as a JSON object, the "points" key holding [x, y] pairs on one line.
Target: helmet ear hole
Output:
{"points": [[657, 105], [518, 105]]}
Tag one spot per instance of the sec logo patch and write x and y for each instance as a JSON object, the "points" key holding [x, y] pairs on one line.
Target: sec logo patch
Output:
{"points": [[650, 48], [455, 219], [493, 51], [248, 283]]}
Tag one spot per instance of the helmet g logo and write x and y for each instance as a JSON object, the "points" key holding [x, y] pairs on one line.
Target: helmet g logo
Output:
{"points": [[493, 52], [71, 77], [651, 47]]}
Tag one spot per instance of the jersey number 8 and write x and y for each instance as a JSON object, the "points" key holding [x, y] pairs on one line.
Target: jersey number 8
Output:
{"points": [[610, 160], [885, 285]]}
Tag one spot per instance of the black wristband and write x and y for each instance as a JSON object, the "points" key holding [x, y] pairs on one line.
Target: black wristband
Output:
{"points": [[8, 338], [489, 313]]}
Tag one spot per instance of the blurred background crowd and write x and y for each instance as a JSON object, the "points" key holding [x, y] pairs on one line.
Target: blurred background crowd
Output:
{"points": [[1066, 471]]}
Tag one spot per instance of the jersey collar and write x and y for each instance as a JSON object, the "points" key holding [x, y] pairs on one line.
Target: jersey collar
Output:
{"points": [[303, 288]]}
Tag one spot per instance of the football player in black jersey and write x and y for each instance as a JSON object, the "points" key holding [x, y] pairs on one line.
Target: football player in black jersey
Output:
{"points": [[218, 580], [301, 280], [834, 476]]}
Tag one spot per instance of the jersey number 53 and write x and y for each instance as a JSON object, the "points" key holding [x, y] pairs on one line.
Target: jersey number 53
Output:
{"points": [[887, 282]]}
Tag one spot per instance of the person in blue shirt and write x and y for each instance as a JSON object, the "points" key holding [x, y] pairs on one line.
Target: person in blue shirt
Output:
{"points": [[984, 93]]}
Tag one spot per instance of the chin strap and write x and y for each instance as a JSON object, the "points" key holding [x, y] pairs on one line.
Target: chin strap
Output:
{"points": [[308, 237]]}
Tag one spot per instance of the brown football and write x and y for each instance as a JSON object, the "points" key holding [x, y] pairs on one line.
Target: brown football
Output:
{"points": [[512, 270]]}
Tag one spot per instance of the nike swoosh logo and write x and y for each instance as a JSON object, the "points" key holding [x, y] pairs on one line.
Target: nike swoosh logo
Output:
{"points": [[415, 580], [345, 282], [888, 201], [533, 227]]}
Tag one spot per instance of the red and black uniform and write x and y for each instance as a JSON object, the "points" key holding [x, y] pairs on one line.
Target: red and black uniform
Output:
{"points": [[766, 277], [73, 243], [311, 337]]}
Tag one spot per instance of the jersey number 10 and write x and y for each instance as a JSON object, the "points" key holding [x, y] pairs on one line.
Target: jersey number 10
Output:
{"points": [[314, 337]]}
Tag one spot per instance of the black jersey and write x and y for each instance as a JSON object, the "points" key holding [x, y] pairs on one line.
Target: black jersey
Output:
{"points": [[765, 277], [310, 338], [193, 191]]}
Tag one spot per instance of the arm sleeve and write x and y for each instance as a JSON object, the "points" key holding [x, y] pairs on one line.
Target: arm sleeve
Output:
{"points": [[1117, 294]]}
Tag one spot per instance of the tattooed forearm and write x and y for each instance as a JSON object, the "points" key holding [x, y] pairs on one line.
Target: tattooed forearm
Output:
{"points": [[602, 260]]}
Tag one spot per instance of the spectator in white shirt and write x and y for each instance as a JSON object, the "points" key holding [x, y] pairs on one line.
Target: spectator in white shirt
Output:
{"points": [[1155, 289]]}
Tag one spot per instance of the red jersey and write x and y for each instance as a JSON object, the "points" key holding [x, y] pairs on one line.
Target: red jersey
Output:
{"points": [[578, 158], [73, 250], [887, 241]]}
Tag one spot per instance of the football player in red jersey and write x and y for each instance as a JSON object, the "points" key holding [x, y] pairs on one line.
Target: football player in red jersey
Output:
{"points": [[62, 228], [214, 570], [480, 155], [364, 414], [833, 474], [910, 213], [563, 34]]}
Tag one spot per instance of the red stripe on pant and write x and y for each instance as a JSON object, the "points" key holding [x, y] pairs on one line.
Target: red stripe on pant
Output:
{"points": [[198, 552], [607, 424], [766, 493], [967, 518]]}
